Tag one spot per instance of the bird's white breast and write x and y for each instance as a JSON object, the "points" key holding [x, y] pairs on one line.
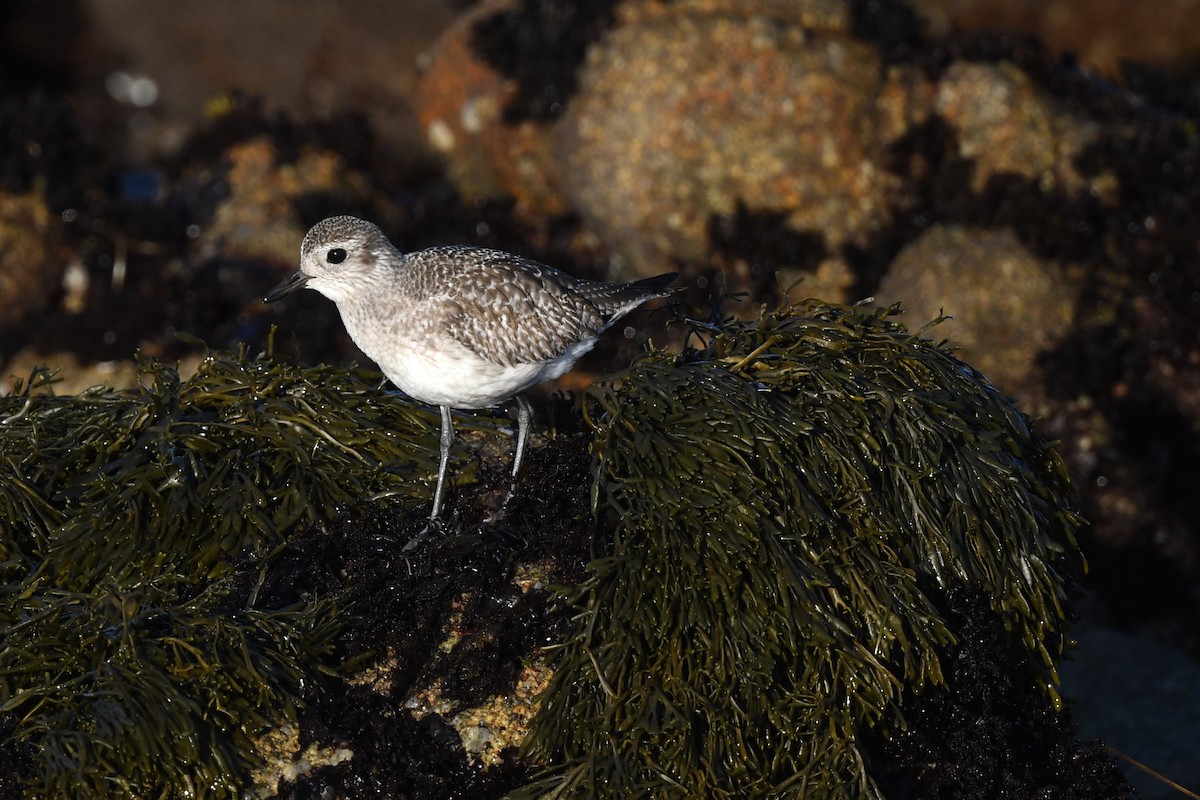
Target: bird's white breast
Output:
{"points": [[437, 369], [457, 377]]}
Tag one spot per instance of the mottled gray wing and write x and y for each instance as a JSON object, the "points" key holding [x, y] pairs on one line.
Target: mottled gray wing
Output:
{"points": [[510, 310]]}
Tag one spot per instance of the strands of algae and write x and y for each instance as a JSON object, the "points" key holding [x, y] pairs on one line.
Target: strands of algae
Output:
{"points": [[127, 666], [786, 499]]}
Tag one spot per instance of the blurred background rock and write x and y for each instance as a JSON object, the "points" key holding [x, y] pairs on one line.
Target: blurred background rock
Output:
{"points": [[160, 163]]}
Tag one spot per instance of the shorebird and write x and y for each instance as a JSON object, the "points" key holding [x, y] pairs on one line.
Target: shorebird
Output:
{"points": [[458, 326]]}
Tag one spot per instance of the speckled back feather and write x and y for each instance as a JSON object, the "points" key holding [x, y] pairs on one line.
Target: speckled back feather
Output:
{"points": [[512, 310]]}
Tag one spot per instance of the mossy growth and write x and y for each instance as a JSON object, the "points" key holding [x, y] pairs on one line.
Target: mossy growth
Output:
{"points": [[783, 511], [131, 665], [789, 501]]}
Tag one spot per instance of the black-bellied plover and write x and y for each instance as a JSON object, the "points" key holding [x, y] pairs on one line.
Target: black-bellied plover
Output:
{"points": [[456, 326]]}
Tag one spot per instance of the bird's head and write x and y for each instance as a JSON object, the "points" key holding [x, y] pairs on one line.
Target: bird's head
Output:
{"points": [[340, 258]]}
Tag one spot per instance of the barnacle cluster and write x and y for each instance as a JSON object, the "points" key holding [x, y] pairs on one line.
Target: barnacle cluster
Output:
{"points": [[131, 663], [790, 502]]}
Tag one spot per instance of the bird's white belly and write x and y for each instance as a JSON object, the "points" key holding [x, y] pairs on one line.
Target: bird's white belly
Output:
{"points": [[454, 376]]}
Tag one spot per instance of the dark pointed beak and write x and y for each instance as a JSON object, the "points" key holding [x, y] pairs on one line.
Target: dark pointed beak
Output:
{"points": [[289, 284]]}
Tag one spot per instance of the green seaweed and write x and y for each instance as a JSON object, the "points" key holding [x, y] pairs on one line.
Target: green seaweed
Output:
{"points": [[134, 692], [128, 659], [788, 500], [200, 470]]}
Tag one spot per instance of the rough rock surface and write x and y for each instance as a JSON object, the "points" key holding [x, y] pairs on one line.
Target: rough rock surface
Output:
{"points": [[32, 258], [1006, 126], [461, 101], [259, 217], [678, 121], [1106, 34], [1007, 304]]}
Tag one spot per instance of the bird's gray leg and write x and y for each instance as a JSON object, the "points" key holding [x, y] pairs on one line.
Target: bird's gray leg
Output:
{"points": [[524, 418], [443, 461]]}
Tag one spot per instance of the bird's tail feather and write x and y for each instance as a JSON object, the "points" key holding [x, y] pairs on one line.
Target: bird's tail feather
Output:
{"points": [[615, 300]]}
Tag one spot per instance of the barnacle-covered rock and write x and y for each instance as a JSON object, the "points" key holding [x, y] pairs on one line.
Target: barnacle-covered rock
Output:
{"points": [[700, 102], [31, 258], [1005, 127], [1009, 305], [258, 217], [649, 120], [791, 505]]}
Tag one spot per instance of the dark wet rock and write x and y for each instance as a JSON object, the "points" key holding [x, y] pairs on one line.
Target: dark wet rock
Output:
{"points": [[42, 44], [47, 149], [987, 736], [1139, 696], [1008, 305], [47, 166], [17, 761]]}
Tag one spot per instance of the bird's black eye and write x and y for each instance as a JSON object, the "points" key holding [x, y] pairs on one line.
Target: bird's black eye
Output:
{"points": [[336, 256]]}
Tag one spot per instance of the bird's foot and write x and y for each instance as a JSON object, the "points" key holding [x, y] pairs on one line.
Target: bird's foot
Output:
{"points": [[434, 526]]}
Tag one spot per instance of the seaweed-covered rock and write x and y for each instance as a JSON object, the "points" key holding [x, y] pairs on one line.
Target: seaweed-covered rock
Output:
{"points": [[132, 661], [787, 520], [791, 505]]}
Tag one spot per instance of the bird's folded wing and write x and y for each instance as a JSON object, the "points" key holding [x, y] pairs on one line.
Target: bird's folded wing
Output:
{"points": [[512, 311]]}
